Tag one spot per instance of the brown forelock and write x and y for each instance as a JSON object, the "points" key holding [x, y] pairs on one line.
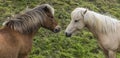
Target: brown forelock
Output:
{"points": [[50, 22]]}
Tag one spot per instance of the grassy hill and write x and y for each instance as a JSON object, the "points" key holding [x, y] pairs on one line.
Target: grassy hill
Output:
{"points": [[47, 44]]}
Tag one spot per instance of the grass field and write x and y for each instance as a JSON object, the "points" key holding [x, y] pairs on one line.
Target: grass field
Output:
{"points": [[47, 44]]}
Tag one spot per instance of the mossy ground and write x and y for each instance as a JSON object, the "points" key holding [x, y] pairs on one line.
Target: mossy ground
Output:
{"points": [[47, 44]]}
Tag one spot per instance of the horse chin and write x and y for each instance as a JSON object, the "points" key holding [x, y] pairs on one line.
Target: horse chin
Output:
{"points": [[68, 34], [56, 30]]}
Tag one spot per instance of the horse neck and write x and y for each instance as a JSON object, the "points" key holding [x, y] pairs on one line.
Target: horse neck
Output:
{"points": [[98, 23], [90, 24], [94, 31]]}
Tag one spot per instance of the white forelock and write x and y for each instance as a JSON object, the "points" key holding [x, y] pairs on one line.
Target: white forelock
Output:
{"points": [[77, 13]]}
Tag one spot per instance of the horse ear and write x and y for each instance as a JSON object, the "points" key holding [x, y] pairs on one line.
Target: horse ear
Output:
{"points": [[85, 11], [46, 9]]}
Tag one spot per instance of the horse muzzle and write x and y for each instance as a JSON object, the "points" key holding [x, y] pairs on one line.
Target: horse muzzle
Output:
{"points": [[68, 34], [57, 29]]}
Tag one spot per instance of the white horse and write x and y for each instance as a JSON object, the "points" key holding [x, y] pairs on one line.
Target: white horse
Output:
{"points": [[105, 28]]}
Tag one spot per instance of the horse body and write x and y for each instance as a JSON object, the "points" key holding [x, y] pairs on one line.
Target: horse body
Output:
{"points": [[110, 43], [106, 29], [6, 44], [108, 39], [17, 32], [14, 44]]}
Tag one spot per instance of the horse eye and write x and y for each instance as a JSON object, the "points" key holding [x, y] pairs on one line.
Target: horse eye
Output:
{"points": [[51, 16], [76, 20]]}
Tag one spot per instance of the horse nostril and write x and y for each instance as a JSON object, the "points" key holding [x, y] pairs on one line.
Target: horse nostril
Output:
{"points": [[57, 30], [68, 34]]}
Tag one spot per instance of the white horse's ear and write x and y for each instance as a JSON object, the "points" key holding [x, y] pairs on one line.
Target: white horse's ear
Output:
{"points": [[85, 12]]}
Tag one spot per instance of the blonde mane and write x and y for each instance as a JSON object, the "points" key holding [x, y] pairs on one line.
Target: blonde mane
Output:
{"points": [[101, 23]]}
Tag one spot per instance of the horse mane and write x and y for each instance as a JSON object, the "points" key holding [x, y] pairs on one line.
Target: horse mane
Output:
{"points": [[30, 20], [102, 23]]}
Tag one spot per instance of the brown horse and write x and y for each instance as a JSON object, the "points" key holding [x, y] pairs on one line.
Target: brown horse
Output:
{"points": [[17, 32]]}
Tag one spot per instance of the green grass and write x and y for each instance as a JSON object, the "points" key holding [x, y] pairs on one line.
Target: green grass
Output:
{"points": [[47, 44]]}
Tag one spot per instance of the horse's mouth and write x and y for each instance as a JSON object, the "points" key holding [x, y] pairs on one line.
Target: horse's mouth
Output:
{"points": [[68, 34], [56, 30]]}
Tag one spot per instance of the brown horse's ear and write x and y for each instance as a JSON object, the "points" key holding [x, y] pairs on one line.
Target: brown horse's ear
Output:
{"points": [[46, 9]]}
